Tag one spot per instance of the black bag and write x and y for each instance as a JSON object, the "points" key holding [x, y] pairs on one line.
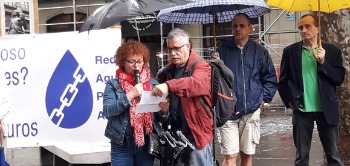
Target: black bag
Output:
{"points": [[223, 97], [156, 144], [162, 150], [155, 147], [176, 146]]}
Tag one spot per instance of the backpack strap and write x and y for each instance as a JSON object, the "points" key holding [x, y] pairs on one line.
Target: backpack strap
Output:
{"points": [[193, 63], [204, 103], [189, 73]]}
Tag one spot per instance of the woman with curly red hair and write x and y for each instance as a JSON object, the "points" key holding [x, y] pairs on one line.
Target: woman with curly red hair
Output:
{"points": [[127, 129]]}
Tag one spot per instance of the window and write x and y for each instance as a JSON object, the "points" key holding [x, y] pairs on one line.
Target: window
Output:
{"points": [[68, 19]]}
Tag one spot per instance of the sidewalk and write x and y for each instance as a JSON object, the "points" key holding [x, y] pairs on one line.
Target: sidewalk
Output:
{"points": [[276, 146]]}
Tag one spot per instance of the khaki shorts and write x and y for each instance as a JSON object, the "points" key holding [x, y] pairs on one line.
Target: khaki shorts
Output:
{"points": [[241, 134]]}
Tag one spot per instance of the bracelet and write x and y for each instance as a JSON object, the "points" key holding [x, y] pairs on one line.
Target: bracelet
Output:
{"points": [[164, 114]]}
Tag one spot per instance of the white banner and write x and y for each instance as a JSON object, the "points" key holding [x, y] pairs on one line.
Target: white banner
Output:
{"points": [[56, 83]]}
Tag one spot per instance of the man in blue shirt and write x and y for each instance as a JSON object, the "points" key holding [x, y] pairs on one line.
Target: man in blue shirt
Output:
{"points": [[255, 83]]}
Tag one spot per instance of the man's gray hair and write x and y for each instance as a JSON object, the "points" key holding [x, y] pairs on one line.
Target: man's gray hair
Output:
{"points": [[178, 33]]}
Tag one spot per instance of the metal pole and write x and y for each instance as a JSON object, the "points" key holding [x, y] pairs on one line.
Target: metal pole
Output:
{"points": [[319, 24], [214, 31], [271, 48], [53, 159], [88, 9], [161, 42], [74, 16], [273, 23], [259, 19], [137, 30]]}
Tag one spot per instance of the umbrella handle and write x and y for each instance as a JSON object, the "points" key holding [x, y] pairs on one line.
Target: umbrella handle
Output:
{"points": [[319, 43], [214, 30]]}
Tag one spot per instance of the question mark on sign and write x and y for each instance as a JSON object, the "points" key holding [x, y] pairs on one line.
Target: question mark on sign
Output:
{"points": [[25, 70]]}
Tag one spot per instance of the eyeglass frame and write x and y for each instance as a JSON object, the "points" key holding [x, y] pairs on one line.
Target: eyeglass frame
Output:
{"points": [[132, 62], [176, 49]]}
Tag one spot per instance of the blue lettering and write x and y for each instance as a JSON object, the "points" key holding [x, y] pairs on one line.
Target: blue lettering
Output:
{"points": [[16, 128], [98, 60], [4, 54], [99, 95], [99, 78], [12, 54], [34, 128], [25, 129], [15, 78], [8, 77], [21, 53], [104, 60], [22, 130], [102, 79], [100, 115]]}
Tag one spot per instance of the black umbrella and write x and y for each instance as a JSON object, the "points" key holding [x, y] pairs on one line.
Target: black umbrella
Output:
{"points": [[120, 10]]}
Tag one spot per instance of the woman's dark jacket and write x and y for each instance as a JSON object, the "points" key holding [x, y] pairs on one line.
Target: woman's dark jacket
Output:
{"points": [[116, 109]]}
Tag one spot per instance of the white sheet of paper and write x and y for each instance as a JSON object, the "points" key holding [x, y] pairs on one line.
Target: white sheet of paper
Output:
{"points": [[149, 103]]}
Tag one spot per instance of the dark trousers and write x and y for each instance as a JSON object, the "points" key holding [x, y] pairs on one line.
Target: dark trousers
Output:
{"points": [[303, 125], [129, 154]]}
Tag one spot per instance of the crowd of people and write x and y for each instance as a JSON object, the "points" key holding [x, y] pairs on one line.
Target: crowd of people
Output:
{"points": [[309, 76]]}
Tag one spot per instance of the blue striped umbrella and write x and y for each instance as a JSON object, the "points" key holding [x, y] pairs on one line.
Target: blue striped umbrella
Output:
{"points": [[206, 11]]}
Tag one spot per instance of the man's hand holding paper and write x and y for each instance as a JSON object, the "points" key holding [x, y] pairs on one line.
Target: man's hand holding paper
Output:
{"points": [[150, 103], [160, 90]]}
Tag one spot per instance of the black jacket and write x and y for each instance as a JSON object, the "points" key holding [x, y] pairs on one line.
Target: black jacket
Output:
{"points": [[330, 75]]}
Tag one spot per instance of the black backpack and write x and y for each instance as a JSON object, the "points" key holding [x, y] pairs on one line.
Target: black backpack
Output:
{"points": [[223, 97]]}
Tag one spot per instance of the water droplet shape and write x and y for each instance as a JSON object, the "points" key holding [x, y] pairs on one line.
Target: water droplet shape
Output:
{"points": [[69, 97]]}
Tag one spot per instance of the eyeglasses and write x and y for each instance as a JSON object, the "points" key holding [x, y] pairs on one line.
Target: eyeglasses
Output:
{"points": [[139, 62], [176, 49]]}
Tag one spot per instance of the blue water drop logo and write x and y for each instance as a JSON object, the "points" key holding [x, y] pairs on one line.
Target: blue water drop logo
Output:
{"points": [[69, 97]]}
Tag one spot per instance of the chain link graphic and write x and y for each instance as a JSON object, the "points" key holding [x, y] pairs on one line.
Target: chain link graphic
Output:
{"points": [[68, 95]]}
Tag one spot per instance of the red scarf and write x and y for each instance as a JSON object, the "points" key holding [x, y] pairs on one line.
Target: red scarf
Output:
{"points": [[138, 120]]}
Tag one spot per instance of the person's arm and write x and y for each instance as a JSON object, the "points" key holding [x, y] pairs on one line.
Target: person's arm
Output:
{"points": [[268, 78], [114, 102], [196, 85], [333, 68], [163, 114], [284, 77]]}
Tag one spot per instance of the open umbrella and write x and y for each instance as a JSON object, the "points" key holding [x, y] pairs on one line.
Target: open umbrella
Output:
{"points": [[120, 10], [327, 6], [212, 11]]}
